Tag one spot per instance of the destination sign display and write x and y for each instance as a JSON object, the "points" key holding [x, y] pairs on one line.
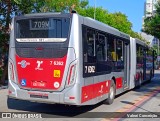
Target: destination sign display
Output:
{"points": [[41, 24]]}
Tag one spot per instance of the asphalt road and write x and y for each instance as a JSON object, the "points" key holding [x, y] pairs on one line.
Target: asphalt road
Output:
{"points": [[137, 102]]}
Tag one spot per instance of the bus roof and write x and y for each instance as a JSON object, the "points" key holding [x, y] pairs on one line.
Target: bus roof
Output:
{"points": [[49, 14], [141, 42], [106, 28]]}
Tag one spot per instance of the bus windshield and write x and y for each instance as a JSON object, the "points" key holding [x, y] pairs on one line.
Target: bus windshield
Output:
{"points": [[42, 29]]}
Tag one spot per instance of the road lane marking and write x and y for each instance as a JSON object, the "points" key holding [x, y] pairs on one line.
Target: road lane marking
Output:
{"points": [[134, 104]]}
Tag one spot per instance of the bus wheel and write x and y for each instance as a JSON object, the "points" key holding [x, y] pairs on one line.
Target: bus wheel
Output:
{"points": [[111, 94]]}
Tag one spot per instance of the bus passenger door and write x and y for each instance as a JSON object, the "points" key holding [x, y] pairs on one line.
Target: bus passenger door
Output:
{"points": [[126, 66]]}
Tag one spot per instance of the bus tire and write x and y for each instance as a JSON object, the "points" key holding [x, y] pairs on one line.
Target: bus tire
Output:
{"points": [[111, 95]]}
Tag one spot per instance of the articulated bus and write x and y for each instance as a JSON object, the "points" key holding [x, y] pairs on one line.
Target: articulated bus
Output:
{"points": [[75, 60]]}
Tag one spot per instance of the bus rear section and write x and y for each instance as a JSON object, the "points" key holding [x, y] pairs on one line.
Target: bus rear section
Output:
{"points": [[42, 65], [142, 63]]}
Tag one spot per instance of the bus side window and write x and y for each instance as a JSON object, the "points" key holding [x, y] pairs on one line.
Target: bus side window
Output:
{"points": [[111, 49], [139, 50], [103, 63], [90, 49], [101, 53], [120, 55], [115, 51], [89, 52], [119, 50]]}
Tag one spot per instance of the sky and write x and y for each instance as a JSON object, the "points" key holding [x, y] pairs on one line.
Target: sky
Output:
{"points": [[133, 9]]}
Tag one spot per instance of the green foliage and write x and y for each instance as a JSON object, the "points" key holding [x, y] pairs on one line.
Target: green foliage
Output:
{"points": [[60, 5], [116, 20], [155, 47], [84, 3], [6, 9], [121, 22], [30, 6], [152, 24]]}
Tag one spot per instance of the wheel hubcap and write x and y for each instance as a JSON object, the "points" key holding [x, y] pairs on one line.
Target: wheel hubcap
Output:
{"points": [[111, 93]]}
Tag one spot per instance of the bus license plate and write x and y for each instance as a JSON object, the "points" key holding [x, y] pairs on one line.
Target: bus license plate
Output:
{"points": [[38, 84]]}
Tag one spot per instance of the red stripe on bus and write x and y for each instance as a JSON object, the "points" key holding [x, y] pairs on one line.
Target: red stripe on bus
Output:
{"points": [[119, 83], [94, 90]]}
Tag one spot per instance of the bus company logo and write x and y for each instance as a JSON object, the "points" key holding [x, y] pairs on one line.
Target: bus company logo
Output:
{"points": [[23, 63], [23, 82], [39, 63]]}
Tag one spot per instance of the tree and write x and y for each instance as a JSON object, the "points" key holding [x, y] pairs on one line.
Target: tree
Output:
{"points": [[6, 8], [5, 11], [34, 6], [30, 6], [9, 8], [116, 20], [152, 24]]}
